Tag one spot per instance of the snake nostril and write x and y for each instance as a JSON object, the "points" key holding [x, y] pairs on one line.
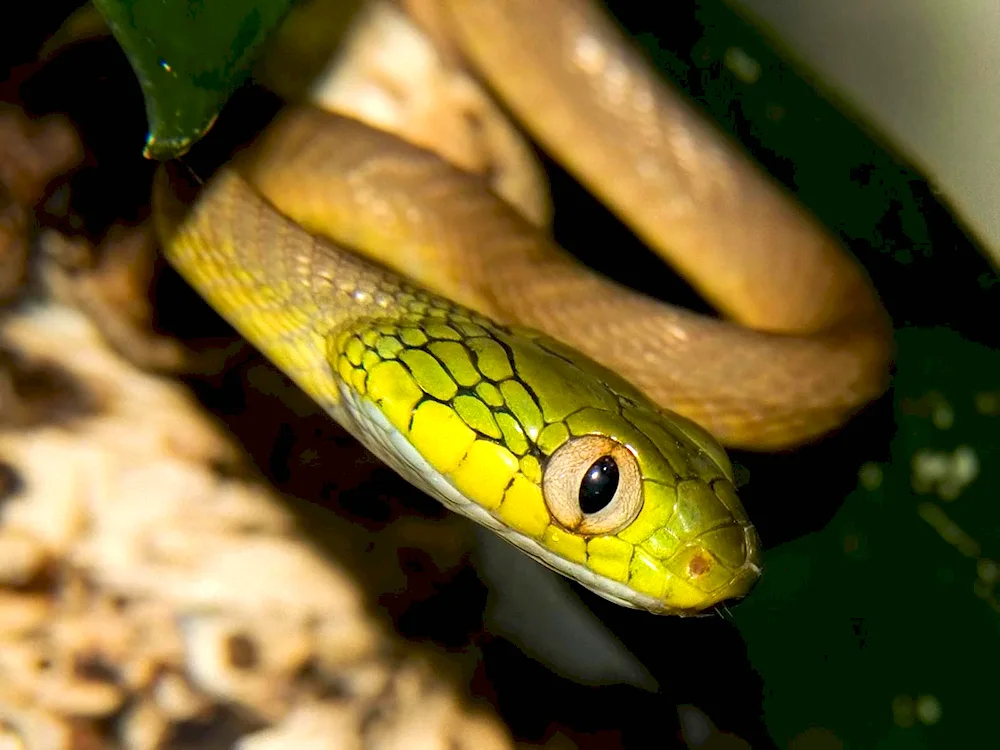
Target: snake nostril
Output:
{"points": [[699, 565]]}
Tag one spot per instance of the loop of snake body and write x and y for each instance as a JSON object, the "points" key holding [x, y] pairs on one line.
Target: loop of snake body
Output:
{"points": [[572, 416]]}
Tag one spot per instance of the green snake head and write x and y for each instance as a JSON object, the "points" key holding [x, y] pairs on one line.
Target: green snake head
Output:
{"points": [[559, 456]]}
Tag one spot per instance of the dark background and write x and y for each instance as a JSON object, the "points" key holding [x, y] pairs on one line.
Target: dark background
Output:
{"points": [[864, 606]]}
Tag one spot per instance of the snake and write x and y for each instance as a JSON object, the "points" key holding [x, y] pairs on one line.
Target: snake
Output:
{"points": [[579, 420]]}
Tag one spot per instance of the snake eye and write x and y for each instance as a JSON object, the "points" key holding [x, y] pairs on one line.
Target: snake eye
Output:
{"points": [[592, 485], [599, 485]]}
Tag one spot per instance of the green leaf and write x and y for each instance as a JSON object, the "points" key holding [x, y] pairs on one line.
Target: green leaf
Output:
{"points": [[189, 56]]}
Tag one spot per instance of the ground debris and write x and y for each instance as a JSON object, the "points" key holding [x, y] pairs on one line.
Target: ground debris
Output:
{"points": [[147, 595], [32, 154]]}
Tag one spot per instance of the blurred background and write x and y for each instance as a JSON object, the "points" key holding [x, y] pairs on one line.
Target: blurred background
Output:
{"points": [[877, 623], [924, 73]]}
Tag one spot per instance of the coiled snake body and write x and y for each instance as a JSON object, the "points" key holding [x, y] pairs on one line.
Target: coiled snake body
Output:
{"points": [[491, 370]]}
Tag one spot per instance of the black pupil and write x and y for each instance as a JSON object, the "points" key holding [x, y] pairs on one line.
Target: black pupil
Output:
{"points": [[599, 485]]}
